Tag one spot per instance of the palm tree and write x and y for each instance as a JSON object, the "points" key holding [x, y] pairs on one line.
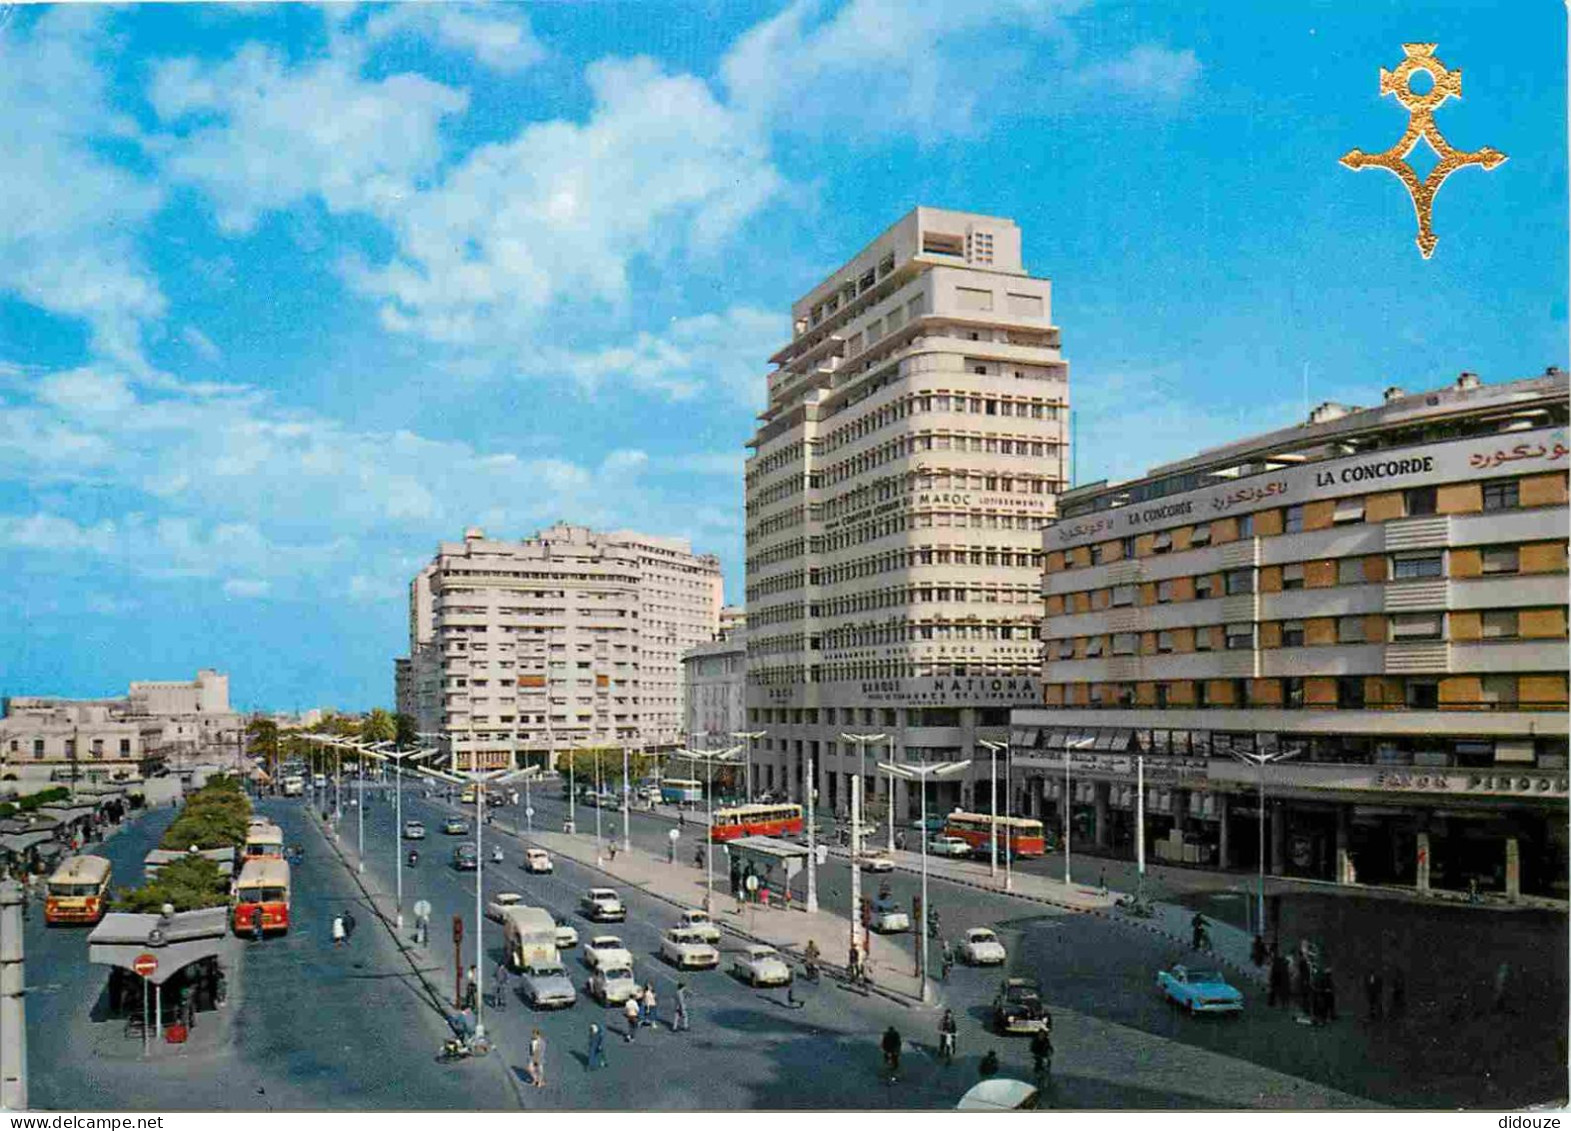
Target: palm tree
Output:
{"points": [[378, 726]]}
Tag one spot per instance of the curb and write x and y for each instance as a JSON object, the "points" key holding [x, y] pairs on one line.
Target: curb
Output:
{"points": [[437, 1000]]}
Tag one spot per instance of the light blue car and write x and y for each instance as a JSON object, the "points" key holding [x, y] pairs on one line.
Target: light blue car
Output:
{"points": [[1200, 990]]}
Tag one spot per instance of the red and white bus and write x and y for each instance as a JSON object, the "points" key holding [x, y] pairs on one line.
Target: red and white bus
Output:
{"points": [[756, 820], [263, 885], [78, 892], [263, 838], [1024, 834]]}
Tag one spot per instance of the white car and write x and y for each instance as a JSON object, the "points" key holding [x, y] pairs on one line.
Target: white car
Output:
{"points": [[687, 950], [497, 908], [414, 830], [566, 937], [700, 924], [948, 846], [605, 951], [613, 986], [761, 966], [982, 948], [602, 905], [877, 862], [537, 860], [890, 920]]}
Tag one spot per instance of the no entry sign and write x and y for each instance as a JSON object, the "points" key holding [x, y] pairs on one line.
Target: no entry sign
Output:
{"points": [[145, 965]]}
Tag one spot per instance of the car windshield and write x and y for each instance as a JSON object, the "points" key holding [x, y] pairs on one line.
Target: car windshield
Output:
{"points": [[607, 944], [1205, 976], [1020, 994], [548, 971], [981, 936], [618, 974]]}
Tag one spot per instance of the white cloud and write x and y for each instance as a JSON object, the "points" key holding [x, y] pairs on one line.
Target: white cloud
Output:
{"points": [[499, 37], [68, 243], [1147, 70], [243, 587], [201, 343], [261, 135]]}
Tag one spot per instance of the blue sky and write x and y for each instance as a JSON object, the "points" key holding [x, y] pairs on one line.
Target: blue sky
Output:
{"points": [[288, 294]]}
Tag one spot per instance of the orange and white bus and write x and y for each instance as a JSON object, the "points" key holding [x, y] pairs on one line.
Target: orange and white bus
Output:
{"points": [[78, 892], [263, 885], [756, 820], [1024, 834], [263, 838]]}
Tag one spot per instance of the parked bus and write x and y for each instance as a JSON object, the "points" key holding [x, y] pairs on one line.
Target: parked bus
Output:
{"points": [[78, 892], [263, 838], [680, 791], [1023, 834], [756, 820], [263, 883]]}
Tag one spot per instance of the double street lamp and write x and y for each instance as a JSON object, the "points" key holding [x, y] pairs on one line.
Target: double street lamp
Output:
{"points": [[1260, 761], [710, 758], [922, 772], [749, 736], [993, 749]]}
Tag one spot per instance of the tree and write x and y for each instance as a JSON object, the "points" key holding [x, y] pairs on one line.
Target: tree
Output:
{"points": [[190, 883], [610, 758], [404, 730], [378, 726]]}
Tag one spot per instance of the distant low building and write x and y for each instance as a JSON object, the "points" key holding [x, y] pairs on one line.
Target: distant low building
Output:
{"points": [[714, 678]]}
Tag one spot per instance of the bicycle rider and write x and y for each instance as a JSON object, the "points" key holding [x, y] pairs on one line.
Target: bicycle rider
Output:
{"points": [[947, 960], [1042, 1054]]}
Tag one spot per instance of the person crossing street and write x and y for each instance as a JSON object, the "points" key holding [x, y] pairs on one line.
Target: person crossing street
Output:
{"points": [[947, 1031]]}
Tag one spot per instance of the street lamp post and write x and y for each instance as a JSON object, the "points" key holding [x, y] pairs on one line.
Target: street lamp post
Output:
{"points": [[861, 741], [397, 757], [710, 757], [1260, 761], [993, 749], [749, 735], [921, 772]]}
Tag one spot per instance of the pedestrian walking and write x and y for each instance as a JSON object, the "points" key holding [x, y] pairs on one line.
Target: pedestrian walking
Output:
{"points": [[1302, 976], [651, 1006], [499, 986], [679, 1022], [596, 1047], [631, 1012], [472, 989], [1374, 995], [537, 1059], [1042, 1054], [891, 1047], [349, 925], [1257, 951], [338, 930], [1398, 994], [256, 923], [1197, 930], [947, 1030], [1281, 981]]}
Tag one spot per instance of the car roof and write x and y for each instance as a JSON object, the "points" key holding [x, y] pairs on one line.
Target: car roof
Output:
{"points": [[602, 891], [760, 948], [605, 939], [980, 931]]}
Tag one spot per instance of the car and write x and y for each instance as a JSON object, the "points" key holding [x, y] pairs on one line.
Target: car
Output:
{"points": [[687, 950], [948, 846], [1018, 1007], [566, 937], [547, 986], [455, 826], [605, 951], [1000, 1094], [700, 924], [602, 905], [614, 985], [414, 830], [537, 860], [889, 918], [496, 910], [1199, 989], [761, 966], [466, 858], [877, 862], [982, 948]]}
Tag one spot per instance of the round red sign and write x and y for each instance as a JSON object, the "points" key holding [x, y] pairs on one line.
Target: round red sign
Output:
{"points": [[145, 965]]}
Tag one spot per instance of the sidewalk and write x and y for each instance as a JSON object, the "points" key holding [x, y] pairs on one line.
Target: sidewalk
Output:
{"points": [[891, 961]]}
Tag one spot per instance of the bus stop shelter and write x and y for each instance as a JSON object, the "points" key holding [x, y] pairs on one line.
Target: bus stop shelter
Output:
{"points": [[773, 861], [158, 949]]}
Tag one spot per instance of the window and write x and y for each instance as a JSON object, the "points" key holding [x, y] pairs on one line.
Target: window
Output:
{"points": [[1123, 595], [1350, 630], [1500, 624], [1501, 559], [1096, 555], [1348, 510], [1129, 547], [1164, 592], [1094, 646], [1293, 520], [1201, 536], [1416, 626], [1423, 694], [1202, 693], [1125, 643], [1162, 692], [1350, 692], [1240, 581], [1419, 501], [1162, 543], [1164, 642], [1293, 691], [1499, 690], [125, 746], [1350, 571], [1066, 649], [1293, 576], [1292, 634], [1246, 526], [1240, 637], [1409, 567], [1203, 586], [38, 748], [1502, 496], [1202, 640]]}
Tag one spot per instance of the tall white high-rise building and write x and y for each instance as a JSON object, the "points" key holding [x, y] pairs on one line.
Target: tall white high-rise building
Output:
{"points": [[911, 451], [569, 638]]}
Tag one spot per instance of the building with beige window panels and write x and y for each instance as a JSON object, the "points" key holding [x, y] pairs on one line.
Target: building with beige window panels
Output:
{"points": [[568, 638], [1373, 602], [912, 447]]}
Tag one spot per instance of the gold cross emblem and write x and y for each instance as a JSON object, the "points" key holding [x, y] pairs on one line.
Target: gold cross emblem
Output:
{"points": [[1421, 125]]}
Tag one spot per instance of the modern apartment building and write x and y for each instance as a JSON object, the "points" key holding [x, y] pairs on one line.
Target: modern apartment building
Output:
{"points": [[911, 451], [564, 639], [1373, 602]]}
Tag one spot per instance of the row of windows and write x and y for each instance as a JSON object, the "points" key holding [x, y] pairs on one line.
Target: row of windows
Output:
{"points": [[1374, 628], [1027, 408], [1411, 565], [861, 636], [95, 750], [787, 675], [1488, 497], [1544, 691]]}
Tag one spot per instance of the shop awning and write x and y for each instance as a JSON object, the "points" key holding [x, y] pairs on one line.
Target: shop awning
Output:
{"points": [[122, 937], [21, 842]]}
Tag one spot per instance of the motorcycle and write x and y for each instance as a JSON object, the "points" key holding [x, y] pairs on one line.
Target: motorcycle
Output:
{"points": [[414, 858], [461, 1048]]}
